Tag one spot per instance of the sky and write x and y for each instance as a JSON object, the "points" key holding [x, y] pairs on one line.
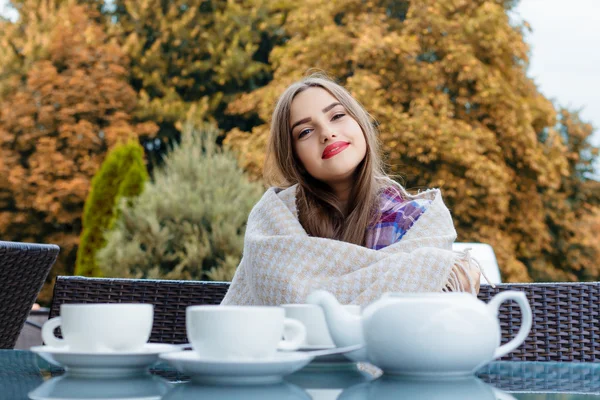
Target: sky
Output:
{"points": [[565, 56], [565, 53]]}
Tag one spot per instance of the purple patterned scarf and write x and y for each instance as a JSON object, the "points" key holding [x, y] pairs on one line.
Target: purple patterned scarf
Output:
{"points": [[398, 215]]}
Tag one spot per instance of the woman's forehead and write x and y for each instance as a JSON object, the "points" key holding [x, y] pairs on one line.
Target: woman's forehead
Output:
{"points": [[311, 100]]}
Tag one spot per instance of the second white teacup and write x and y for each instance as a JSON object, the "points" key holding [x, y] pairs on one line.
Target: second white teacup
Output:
{"points": [[313, 318], [241, 332], [102, 327]]}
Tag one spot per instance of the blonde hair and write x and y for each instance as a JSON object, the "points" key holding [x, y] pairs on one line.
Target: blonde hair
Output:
{"points": [[319, 210]]}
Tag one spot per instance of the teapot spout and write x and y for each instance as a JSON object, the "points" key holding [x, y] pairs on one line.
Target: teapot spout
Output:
{"points": [[345, 328]]}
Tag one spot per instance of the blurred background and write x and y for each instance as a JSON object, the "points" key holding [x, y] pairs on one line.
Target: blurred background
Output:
{"points": [[132, 132]]}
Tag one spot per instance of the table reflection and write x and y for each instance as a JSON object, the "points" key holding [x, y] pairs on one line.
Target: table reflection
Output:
{"points": [[324, 382], [396, 388], [23, 373], [279, 391], [67, 387], [19, 374]]}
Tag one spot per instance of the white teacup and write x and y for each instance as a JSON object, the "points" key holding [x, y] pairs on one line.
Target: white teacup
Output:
{"points": [[241, 332], [101, 327], [317, 332]]}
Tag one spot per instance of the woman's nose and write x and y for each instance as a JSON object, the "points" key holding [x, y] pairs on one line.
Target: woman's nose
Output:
{"points": [[329, 134]]}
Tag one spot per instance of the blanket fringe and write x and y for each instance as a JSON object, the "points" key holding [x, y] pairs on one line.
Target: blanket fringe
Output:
{"points": [[454, 284], [464, 262]]}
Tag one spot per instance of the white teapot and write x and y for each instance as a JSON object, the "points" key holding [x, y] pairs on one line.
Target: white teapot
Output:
{"points": [[424, 334]]}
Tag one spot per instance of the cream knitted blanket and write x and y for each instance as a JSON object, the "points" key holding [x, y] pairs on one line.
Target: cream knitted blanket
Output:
{"points": [[282, 264]]}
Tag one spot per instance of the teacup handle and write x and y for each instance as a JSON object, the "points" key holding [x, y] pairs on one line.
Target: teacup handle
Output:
{"points": [[294, 333], [521, 300], [48, 333]]}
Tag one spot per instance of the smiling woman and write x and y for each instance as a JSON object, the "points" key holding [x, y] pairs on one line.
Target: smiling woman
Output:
{"points": [[334, 220], [329, 143], [324, 141]]}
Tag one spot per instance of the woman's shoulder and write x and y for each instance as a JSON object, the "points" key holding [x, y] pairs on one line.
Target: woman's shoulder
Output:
{"points": [[287, 197], [274, 197], [284, 191]]}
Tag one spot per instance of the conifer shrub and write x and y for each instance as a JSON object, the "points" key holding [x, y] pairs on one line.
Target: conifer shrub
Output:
{"points": [[189, 222], [122, 175]]}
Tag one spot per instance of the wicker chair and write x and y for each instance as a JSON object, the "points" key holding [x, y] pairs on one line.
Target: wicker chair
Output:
{"points": [[23, 269], [170, 299], [565, 315]]}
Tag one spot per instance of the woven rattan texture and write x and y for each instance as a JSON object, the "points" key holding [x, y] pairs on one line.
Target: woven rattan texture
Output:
{"points": [[23, 270], [170, 299], [565, 315], [565, 321]]}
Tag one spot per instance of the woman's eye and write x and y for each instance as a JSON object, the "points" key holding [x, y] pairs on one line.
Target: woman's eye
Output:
{"points": [[338, 116], [303, 133]]}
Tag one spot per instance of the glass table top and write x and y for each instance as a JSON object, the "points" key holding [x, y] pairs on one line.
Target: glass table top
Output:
{"points": [[24, 375]]}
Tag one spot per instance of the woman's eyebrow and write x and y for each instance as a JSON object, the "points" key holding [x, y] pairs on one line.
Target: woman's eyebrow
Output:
{"points": [[329, 107], [305, 120], [302, 121]]}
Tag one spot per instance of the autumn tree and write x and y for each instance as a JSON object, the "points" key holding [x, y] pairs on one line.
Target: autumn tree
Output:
{"points": [[189, 58], [446, 82], [64, 101], [572, 209]]}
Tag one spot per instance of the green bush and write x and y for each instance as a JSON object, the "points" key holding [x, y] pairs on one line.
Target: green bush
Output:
{"points": [[121, 175], [190, 220]]}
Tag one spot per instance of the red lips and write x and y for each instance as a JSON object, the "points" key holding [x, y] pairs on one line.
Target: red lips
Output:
{"points": [[333, 149]]}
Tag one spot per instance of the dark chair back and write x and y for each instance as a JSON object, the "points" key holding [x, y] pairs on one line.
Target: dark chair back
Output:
{"points": [[565, 315], [23, 270], [566, 321], [170, 299]]}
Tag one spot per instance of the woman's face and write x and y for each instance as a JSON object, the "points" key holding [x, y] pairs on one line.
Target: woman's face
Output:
{"points": [[328, 141]]}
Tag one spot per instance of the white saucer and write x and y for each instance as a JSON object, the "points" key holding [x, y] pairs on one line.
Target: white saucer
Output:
{"points": [[237, 372], [311, 347], [104, 364], [329, 360]]}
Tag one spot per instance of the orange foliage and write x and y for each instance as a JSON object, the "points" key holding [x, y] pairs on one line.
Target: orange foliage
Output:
{"points": [[446, 82], [61, 109]]}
